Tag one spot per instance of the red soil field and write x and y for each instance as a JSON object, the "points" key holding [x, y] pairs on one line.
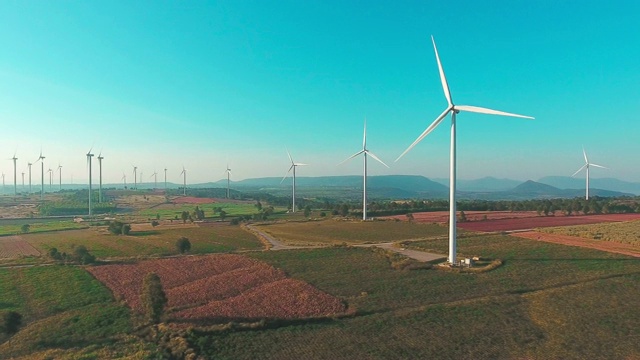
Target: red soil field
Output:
{"points": [[543, 221], [193, 200], [607, 246], [220, 287], [443, 216], [13, 246]]}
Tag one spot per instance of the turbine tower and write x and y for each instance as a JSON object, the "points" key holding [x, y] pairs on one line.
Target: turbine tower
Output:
{"points": [[454, 110], [586, 165], [165, 179], [15, 176], [29, 165], [23, 181], [184, 189], [50, 179], [89, 156], [228, 171], [135, 177], [293, 166], [100, 157], [155, 179], [124, 180], [364, 152], [41, 159], [59, 169]]}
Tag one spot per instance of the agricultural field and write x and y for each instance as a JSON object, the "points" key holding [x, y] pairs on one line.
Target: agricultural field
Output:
{"points": [[147, 240], [39, 226], [330, 231], [620, 232], [220, 287], [64, 310], [174, 210], [543, 221], [443, 216]]}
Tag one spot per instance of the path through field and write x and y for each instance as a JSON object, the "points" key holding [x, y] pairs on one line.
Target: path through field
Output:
{"points": [[413, 254], [608, 246], [14, 246]]}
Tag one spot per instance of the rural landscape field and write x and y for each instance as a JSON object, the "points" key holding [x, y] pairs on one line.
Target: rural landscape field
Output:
{"points": [[331, 286]]}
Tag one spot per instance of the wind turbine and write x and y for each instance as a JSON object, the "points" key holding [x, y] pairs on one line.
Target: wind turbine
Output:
{"points": [[100, 157], [454, 110], [59, 170], [23, 181], [140, 178], [15, 177], [2, 183], [365, 152], [165, 179], [50, 179], [124, 179], [29, 165], [184, 189], [41, 159], [228, 171], [155, 179], [586, 165], [89, 156], [293, 166], [135, 176]]}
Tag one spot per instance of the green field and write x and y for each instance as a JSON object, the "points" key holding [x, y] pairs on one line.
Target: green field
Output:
{"points": [[171, 211], [154, 241], [63, 308], [41, 226], [332, 231], [627, 232]]}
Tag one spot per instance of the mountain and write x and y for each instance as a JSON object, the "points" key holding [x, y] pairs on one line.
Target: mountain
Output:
{"points": [[567, 182], [531, 188], [483, 184]]}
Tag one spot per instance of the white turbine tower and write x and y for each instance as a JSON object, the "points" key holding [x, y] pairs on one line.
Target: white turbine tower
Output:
{"points": [[586, 165], [100, 157], [41, 159], [294, 165], [15, 176], [89, 156], [124, 180], [228, 171], [454, 110], [50, 179], [59, 169], [135, 176], [165, 179], [155, 179], [184, 173], [23, 181], [29, 165], [364, 152]]}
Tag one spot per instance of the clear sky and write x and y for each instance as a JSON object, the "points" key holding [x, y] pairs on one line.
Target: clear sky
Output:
{"points": [[198, 84]]}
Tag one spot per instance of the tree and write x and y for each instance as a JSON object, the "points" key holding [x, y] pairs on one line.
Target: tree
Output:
{"points": [[258, 205], [183, 245], [11, 322], [25, 228], [223, 214], [307, 211], [81, 255], [184, 216], [463, 217], [119, 228], [344, 210], [153, 298], [409, 216]]}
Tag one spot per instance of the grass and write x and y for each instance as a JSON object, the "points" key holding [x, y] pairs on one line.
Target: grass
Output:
{"points": [[37, 227], [63, 307], [547, 300], [159, 241], [352, 232], [621, 232], [170, 211]]}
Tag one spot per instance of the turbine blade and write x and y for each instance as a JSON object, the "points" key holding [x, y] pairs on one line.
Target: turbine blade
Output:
{"points": [[300, 164], [376, 158], [582, 168], [443, 79], [427, 131], [351, 157], [287, 174], [600, 166], [289, 156], [586, 161], [481, 110]]}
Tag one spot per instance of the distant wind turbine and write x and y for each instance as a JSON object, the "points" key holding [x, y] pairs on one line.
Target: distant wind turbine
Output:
{"points": [[50, 179], [135, 176], [89, 156], [293, 167], [364, 152], [29, 165], [41, 159], [155, 179], [184, 173], [124, 179], [59, 169], [165, 179], [228, 171], [23, 181], [15, 177], [586, 165], [454, 110], [100, 157]]}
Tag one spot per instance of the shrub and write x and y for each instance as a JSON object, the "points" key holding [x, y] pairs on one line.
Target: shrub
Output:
{"points": [[119, 228], [183, 245], [11, 322], [235, 221], [54, 254], [25, 228], [155, 223], [82, 255], [153, 298], [323, 214]]}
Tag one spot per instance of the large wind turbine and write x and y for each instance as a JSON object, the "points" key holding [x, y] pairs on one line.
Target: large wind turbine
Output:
{"points": [[184, 173], [228, 171], [50, 179], [454, 110], [59, 169], [89, 156], [135, 176], [15, 176], [23, 181], [41, 159], [293, 166], [365, 152], [29, 165], [586, 165], [100, 157], [155, 179]]}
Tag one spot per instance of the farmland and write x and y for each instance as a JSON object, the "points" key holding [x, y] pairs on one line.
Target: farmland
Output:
{"points": [[623, 232], [352, 232], [221, 287], [543, 221]]}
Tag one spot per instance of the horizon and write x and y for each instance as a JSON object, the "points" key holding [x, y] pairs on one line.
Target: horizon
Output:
{"points": [[205, 85]]}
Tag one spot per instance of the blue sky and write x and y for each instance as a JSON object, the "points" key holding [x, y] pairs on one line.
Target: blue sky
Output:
{"points": [[165, 84]]}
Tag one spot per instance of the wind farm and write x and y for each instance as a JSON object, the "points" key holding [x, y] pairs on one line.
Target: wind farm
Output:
{"points": [[481, 240]]}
